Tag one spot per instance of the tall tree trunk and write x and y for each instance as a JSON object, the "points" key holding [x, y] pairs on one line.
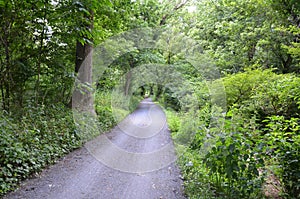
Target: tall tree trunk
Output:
{"points": [[83, 96], [82, 99], [128, 83], [129, 76]]}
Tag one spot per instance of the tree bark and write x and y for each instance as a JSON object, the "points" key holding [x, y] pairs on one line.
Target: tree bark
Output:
{"points": [[129, 76], [128, 83], [82, 99]]}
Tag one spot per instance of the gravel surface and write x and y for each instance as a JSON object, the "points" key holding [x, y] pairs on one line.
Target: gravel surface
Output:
{"points": [[133, 161]]}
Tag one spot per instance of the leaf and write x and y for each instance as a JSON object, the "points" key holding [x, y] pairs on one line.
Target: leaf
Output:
{"points": [[81, 9], [2, 3]]}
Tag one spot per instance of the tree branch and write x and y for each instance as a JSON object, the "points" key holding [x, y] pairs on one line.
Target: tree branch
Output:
{"points": [[177, 7]]}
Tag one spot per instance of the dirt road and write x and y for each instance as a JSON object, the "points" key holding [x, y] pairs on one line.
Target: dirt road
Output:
{"points": [[133, 161]]}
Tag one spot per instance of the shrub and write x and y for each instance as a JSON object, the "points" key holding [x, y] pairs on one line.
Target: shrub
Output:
{"points": [[196, 177], [234, 167], [240, 87], [226, 159], [228, 155], [263, 93], [173, 121], [283, 138], [104, 110], [28, 144]]}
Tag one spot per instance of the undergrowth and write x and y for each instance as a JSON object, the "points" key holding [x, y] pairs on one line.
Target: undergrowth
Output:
{"points": [[29, 143], [256, 140], [38, 136]]}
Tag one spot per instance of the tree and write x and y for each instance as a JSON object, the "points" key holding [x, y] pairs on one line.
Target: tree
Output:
{"points": [[37, 58], [289, 12], [122, 15], [239, 34], [82, 97]]}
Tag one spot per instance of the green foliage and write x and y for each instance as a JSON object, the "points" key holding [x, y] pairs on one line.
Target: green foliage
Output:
{"points": [[37, 49], [229, 155], [278, 96], [36, 52], [225, 160], [283, 139], [30, 143], [263, 92], [273, 101], [239, 34], [174, 122], [104, 110], [233, 167], [197, 180], [241, 86]]}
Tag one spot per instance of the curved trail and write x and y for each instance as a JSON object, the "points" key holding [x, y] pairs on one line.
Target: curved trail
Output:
{"points": [[135, 160]]}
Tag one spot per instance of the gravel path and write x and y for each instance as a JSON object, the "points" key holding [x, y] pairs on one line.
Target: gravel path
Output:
{"points": [[133, 161]]}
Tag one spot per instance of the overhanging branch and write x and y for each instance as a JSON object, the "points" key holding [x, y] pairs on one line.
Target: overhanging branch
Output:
{"points": [[177, 7]]}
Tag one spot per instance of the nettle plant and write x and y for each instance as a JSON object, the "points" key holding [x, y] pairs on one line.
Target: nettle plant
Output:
{"points": [[235, 161], [283, 139]]}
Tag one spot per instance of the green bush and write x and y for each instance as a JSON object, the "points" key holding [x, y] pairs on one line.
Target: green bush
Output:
{"points": [[39, 135], [183, 126], [223, 161], [273, 100], [30, 143], [234, 167], [196, 177], [240, 87], [263, 93], [278, 96], [229, 156], [283, 138], [103, 106], [173, 121]]}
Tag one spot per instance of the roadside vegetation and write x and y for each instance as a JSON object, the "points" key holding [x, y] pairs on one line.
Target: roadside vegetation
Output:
{"points": [[254, 153], [234, 119]]}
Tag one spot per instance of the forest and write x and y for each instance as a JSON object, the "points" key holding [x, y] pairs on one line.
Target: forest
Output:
{"points": [[226, 73]]}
